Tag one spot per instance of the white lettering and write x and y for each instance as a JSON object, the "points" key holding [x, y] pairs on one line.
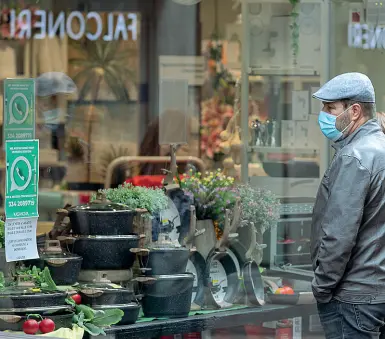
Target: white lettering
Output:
{"points": [[25, 24], [13, 23], [110, 27], [41, 24], [57, 25], [366, 36], [74, 25], [99, 26], [121, 28], [69, 25]]}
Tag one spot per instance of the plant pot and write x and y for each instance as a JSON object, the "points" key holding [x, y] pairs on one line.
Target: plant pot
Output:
{"points": [[168, 296], [131, 312], [101, 217], [164, 261], [106, 252], [205, 241]]}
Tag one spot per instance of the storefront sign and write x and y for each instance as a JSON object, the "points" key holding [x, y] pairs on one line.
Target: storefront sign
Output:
{"points": [[47, 24], [20, 239], [366, 36], [22, 179], [19, 109]]}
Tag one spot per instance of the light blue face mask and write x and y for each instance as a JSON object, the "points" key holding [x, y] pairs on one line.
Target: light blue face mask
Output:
{"points": [[327, 123]]}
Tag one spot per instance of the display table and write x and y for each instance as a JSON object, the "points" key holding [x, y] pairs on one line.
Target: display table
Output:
{"points": [[199, 323]]}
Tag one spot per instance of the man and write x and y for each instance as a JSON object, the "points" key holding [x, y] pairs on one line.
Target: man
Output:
{"points": [[348, 227]]}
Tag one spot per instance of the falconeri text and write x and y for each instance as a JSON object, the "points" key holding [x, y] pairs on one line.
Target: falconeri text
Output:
{"points": [[45, 24]]}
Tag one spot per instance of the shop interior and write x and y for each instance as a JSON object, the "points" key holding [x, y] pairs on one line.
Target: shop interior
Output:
{"points": [[216, 86]]}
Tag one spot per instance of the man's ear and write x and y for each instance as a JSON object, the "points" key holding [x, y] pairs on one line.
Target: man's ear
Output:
{"points": [[357, 112]]}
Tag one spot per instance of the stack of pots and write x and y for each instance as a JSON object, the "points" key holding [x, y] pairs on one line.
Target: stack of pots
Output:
{"points": [[103, 235], [167, 288], [19, 303], [103, 295]]}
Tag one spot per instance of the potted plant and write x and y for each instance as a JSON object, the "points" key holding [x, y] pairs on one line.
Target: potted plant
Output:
{"points": [[260, 208], [212, 194], [153, 200]]}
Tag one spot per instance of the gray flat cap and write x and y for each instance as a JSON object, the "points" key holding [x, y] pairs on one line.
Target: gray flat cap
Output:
{"points": [[352, 86], [52, 83]]}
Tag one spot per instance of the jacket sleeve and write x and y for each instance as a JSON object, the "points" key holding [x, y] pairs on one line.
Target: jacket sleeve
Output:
{"points": [[348, 187]]}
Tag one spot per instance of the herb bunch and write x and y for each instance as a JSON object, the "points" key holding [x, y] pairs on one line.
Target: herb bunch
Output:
{"points": [[212, 194], [153, 200], [259, 206]]}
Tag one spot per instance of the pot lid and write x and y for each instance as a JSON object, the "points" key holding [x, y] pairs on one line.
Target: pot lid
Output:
{"points": [[101, 283], [102, 287], [119, 306], [53, 252], [32, 310], [19, 291], [108, 237], [59, 256], [100, 204]]}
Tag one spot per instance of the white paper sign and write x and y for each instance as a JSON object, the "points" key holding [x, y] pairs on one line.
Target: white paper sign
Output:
{"points": [[20, 239]]}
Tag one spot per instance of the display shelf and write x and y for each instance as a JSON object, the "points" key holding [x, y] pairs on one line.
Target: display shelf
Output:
{"points": [[280, 150], [199, 323]]}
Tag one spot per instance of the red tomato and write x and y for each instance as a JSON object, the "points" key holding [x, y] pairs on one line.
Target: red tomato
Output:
{"points": [[46, 326], [77, 299], [30, 326], [284, 290], [288, 290]]}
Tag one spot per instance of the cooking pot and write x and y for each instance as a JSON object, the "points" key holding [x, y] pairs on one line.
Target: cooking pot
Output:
{"points": [[63, 266], [131, 312], [106, 252], [168, 295], [165, 260], [101, 217], [103, 292], [12, 322], [26, 295]]}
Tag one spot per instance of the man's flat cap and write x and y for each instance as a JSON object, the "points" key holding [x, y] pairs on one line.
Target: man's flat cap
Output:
{"points": [[52, 83], [351, 86]]}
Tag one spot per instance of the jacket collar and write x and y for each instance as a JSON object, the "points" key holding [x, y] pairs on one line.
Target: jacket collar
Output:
{"points": [[370, 127]]}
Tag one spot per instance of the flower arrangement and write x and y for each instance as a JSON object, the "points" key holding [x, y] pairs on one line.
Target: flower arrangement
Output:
{"points": [[5, 19], [211, 194], [153, 200], [259, 206], [215, 117]]}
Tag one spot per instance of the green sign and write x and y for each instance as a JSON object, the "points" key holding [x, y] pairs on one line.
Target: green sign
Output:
{"points": [[19, 109], [22, 179]]}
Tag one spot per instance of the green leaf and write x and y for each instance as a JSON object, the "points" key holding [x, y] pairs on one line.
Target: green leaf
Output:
{"points": [[93, 330], [89, 313], [110, 317], [46, 278]]}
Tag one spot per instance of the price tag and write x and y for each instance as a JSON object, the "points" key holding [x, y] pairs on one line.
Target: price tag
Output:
{"points": [[20, 239]]}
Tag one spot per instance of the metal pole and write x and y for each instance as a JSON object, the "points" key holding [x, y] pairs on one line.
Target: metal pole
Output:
{"points": [[245, 92], [325, 153]]}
